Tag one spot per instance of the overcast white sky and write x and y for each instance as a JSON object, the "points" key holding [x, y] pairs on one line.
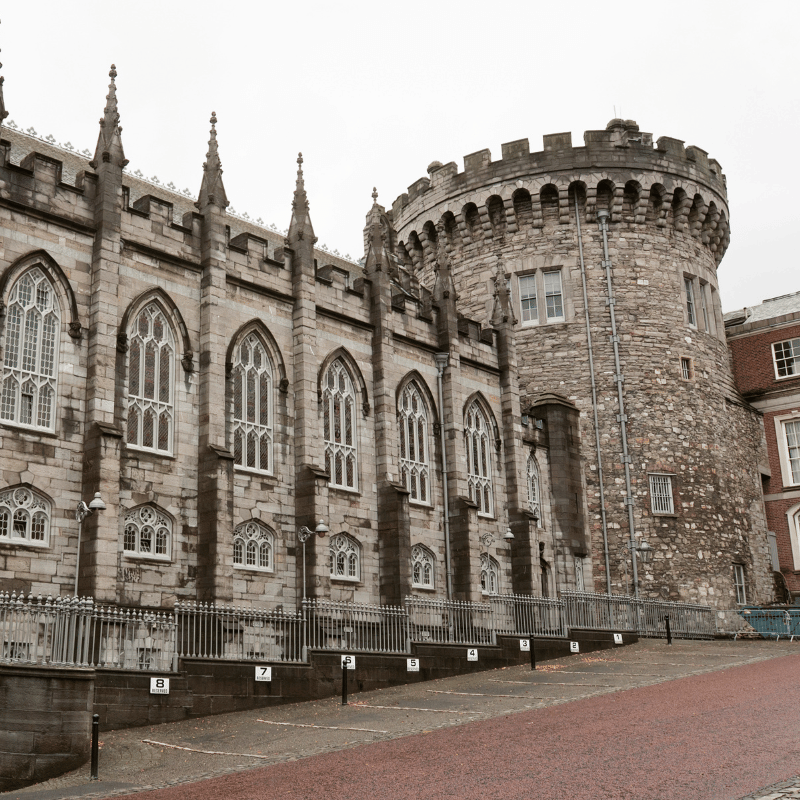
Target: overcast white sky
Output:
{"points": [[373, 92]]}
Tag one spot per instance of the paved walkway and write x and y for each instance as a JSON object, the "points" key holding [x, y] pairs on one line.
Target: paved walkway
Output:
{"points": [[700, 720]]}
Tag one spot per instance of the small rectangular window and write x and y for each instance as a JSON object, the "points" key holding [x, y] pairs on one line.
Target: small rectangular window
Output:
{"points": [[787, 358], [661, 494], [554, 297], [687, 369], [738, 582], [690, 310], [527, 299]]}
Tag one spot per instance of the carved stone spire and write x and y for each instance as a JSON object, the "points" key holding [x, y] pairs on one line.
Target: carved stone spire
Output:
{"points": [[109, 142], [443, 286], [3, 112], [212, 190], [300, 227], [502, 311]]}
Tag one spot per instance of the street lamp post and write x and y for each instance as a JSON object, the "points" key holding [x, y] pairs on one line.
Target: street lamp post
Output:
{"points": [[304, 534], [486, 540], [81, 512]]}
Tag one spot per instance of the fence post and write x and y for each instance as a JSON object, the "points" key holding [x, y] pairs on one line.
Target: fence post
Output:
{"points": [[669, 632], [344, 683], [95, 744]]}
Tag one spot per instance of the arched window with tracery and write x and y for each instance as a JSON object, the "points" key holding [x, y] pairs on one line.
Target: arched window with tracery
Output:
{"points": [[253, 547], [479, 469], [148, 533], [534, 489], [24, 518], [30, 360], [151, 366], [339, 423], [252, 406], [345, 558], [412, 419], [490, 575], [423, 566]]}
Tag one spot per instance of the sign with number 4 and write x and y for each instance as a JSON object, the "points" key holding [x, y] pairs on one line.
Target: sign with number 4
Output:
{"points": [[263, 673], [159, 685], [617, 638], [348, 662], [525, 645], [412, 665], [574, 647], [472, 654]]}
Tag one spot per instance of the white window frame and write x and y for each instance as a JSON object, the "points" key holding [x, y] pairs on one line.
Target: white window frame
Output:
{"points": [[793, 521], [528, 299], [423, 568], [490, 575], [345, 558], [554, 300], [253, 544], [149, 520], [139, 405], [412, 421], [739, 584], [534, 488], [789, 454], [691, 306], [479, 459], [252, 428], [792, 362], [662, 499], [32, 334], [339, 427], [704, 310], [24, 514]]}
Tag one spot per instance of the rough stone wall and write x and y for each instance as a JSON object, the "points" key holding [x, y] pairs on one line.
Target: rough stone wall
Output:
{"points": [[668, 223]]}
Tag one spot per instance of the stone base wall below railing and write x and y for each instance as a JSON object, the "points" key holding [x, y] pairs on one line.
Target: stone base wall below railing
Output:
{"points": [[45, 722]]}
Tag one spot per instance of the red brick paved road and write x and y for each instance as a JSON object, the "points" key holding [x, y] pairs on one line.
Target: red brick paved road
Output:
{"points": [[710, 737]]}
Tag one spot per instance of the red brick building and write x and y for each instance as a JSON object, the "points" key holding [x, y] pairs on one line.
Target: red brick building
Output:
{"points": [[764, 342]]}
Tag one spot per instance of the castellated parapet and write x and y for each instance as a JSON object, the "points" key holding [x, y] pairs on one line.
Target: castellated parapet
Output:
{"points": [[692, 444]]}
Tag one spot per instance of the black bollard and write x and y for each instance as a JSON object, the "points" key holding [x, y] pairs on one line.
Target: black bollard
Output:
{"points": [[344, 684], [669, 632], [95, 744], [533, 653]]}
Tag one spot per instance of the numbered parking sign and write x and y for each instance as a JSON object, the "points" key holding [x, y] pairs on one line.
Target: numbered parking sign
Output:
{"points": [[525, 645], [263, 673], [472, 654], [348, 662], [574, 647], [617, 638], [412, 665], [159, 685]]}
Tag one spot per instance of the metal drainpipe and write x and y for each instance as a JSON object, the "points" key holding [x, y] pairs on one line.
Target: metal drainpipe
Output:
{"points": [[602, 219], [441, 363], [594, 402]]}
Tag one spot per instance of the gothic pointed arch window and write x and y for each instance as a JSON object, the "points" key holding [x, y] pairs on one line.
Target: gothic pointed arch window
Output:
{"points": [[479, 455], [423, 568], [253, 401], [147, 534], [490, 575], [534, 489], [151, 375], [253, 547], [30, 360], [24, 518], [339, 427], [345, 558], [412, 420]]}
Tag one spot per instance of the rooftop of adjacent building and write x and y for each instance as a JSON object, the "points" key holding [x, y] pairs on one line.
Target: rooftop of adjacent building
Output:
{"points": [[771, 310]]}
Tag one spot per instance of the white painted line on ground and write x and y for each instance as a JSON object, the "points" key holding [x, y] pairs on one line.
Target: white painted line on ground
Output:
{"points": [[471, 694], [408, 708], [326, 727], [553, 683], [204, 752]]}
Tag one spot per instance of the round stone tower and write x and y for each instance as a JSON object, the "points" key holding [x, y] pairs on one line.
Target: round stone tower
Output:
{"points": [[611, 253]]}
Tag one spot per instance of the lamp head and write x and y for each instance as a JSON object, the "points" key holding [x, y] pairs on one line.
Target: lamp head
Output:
{"points": [[645, 552], [321, 529], [96, 503], [508, 536]]}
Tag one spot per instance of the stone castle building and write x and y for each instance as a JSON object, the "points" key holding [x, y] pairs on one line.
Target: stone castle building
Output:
{"points": [[533, 347]]}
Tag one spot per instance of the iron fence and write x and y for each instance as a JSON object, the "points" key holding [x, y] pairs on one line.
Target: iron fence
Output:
{"points": [[587, 610], [524, 615], [449, 621], [131, 638], [333, 625], [207, 630]]}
